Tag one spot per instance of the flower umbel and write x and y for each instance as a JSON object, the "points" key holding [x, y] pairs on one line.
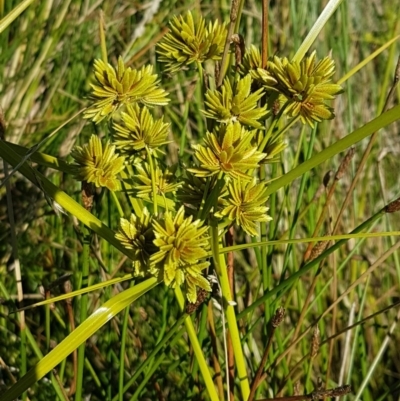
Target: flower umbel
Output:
{"points": [[137, 234], [139, 131], [98, 165], [252, 65], [122, 86], [183, 245], [229, 104], [165, 181], [306, 85], [246, 205], [196, 189], [190, 42], [228, 150]]}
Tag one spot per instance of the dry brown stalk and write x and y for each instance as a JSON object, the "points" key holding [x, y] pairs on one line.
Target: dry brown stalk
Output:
{"points": [[315, 395], [264, 30], [339, 174], [259, 377]]}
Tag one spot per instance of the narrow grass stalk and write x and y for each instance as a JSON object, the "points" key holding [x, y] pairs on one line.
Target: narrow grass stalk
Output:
{"points": [[310, 265], [368, 129], [124, 334], [197, 349], [377, 357], [217, 366], [172, 336], [329, 9], [276, 321], [220, 264], [153, 181], [296, 211], [225, 56], [102, 36], [14, 14], [202, 332]]}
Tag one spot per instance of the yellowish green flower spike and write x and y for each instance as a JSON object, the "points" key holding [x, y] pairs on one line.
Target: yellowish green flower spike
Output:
{"points": [[139, 131], [229, 104], [252, 65], [183, 245], [251, 61], [137, 234], [190, 42], [272, 150], [122, 86], [98, 165], [165, 181], [306, 85], [228, 150], [194, 189], [246, 205]]}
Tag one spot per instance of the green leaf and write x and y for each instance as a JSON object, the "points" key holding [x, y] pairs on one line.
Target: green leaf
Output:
{"points": [[316, 29], [14, 14], [368, 129], [90, 326]]}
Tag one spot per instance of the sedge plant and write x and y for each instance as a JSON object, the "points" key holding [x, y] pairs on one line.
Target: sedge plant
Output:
{"points": [[178, 221]]}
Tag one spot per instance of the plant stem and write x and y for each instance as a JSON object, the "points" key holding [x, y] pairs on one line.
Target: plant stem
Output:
{"points": [[124, 334], [219, 261], [117, 204], [153, 181], [264, 39], [197, 349], [260, 369]]}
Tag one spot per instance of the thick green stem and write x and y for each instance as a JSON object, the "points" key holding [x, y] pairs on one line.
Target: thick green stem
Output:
{"points": [[220, 264], [197, 349]]}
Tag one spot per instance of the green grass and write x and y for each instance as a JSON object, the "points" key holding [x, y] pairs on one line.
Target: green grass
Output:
{"points": [[46, 58]]}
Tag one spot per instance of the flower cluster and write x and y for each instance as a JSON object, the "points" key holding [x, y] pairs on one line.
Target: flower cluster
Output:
{"points": [[174, 247], [303, 86], [306, 86], [139, 131], [121, 86], [228, 149], [165, 181], [97, 164], [189, 42], [137, 234], [230, 104], [221, 185], [246, 205]]}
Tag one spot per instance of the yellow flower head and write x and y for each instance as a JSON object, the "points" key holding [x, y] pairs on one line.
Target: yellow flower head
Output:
{"points": [[229, 150], [138, 131], [137, 234], [97, 164], [246, 205], [183, 245], [121, 86], [190, 42], [306, 86], [230, 104]]}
